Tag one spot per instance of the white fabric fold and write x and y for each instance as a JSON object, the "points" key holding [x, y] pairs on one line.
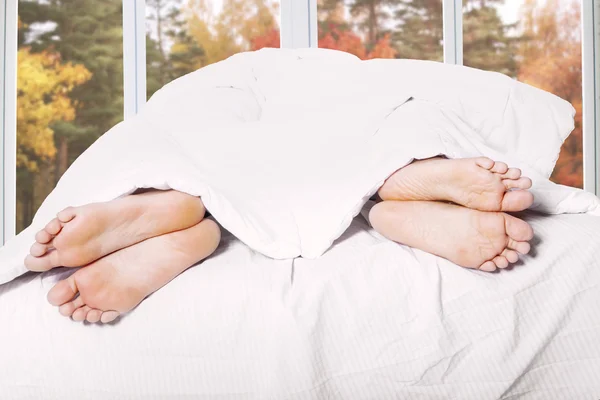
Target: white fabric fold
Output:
{"points": [[286, 146]]}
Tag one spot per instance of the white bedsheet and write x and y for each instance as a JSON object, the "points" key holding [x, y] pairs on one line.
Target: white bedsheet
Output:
{"points": [[368, 320]]}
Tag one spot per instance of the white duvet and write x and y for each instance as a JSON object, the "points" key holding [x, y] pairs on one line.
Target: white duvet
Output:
{"points": [[285, 146]]}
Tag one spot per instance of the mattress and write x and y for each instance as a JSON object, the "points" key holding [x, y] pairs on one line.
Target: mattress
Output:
{"points": [[370, 319]]}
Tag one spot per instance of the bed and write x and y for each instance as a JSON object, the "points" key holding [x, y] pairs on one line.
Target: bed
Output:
{"points": [[302, 299], [356, 323]]}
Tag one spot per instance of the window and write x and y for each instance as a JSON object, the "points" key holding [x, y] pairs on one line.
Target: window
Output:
{"points": [[69, 89], [72, 84], [539, 43], [383, 28], [183, 36]]}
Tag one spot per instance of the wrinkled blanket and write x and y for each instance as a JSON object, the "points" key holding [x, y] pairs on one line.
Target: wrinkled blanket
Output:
{"points": [[286, 146]]}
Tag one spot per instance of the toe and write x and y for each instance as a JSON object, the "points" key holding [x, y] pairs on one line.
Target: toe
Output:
{"points": [[512, 173], [517, 200], [519, 247], [521, 183], [53, 227], [94, 316], [81, 313], [109, 316], [44, 263], [484, 162], [63, 291], [67, 309], [66, 215], [43, 237], [517, 229], [499, 168], [488, 266], [38, 249], [500, 261], [511, 255]]}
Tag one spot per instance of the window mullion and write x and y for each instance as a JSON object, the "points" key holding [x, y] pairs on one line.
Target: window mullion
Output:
{"points": [[453, 31], [8, 118], [296, 20], [134, 56], [591, 101]]}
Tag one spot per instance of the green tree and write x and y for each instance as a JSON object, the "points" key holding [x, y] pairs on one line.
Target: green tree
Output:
{"points": [[372, 17], [44, 84], [332, 19], [171, 52], [331, 11], [487, 43], [419, 30], [84, 32]]}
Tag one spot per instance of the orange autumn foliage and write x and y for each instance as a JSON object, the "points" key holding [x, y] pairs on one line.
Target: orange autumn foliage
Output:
{"points": [[336, 39], [269, 39], [551, 60], [383, 48], [344, 40]]}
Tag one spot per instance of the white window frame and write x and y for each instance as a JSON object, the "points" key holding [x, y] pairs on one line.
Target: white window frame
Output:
{"points": [[134, 56], [298, 29], [298, 23], [452, 20], [590, 38], [8, 118]]}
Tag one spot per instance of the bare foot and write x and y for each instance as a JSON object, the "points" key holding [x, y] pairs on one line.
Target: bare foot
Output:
{"points": [[117, 283], [477, 183], [80, 235], [469, 238]]}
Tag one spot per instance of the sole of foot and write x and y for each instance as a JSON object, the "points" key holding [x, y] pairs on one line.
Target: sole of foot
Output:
{"points": [[81, 235], [473, 239], [115, 284], [477, 183]]}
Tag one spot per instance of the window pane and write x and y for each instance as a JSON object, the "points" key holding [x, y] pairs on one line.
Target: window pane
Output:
{"points": [[184, 35], [382, 28], [70, 89], [537, 42]]}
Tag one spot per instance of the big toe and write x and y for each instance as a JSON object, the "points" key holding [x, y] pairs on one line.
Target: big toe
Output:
{"points": [[517, 229], [517, 200], [62, 292]]}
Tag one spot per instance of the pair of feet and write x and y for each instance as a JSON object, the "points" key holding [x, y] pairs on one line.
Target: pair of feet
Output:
{"points": [[133, 246], [129, 247], [474, 231]]}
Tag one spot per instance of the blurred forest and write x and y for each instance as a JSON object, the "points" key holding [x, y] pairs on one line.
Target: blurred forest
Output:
{"points": [[70, 71]]}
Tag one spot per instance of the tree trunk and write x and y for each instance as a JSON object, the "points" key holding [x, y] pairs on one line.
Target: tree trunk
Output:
{"points": [[28, 209], [62, 158], [159, 28], [372, 18]]}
